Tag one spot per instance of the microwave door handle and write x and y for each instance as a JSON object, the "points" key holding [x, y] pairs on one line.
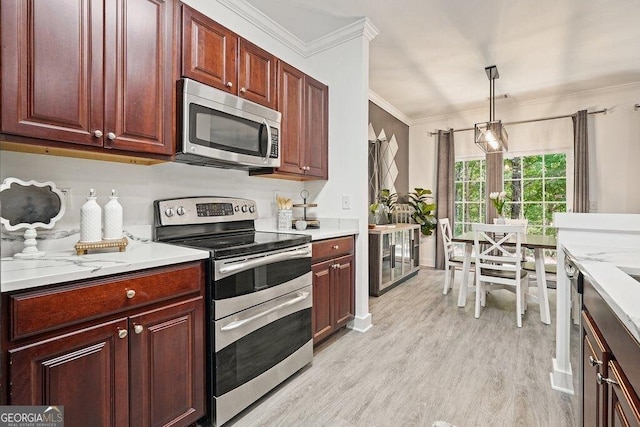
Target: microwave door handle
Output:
{"points": [[268, 153]]}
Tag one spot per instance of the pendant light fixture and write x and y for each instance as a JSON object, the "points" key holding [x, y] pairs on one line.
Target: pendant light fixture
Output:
{"points": [[491, 136]]}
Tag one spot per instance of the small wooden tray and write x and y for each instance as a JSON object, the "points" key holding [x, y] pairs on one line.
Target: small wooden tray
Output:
{"points": [[82, 247]]}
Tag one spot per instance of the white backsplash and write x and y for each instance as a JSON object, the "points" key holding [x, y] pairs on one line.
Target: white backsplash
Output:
{"points": [[138, 186]]}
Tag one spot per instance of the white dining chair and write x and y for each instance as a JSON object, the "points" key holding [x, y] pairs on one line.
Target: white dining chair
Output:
{"points": [[498, 251], [452, 262]]}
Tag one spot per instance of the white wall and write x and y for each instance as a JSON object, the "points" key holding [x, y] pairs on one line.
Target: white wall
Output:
{"points": [[344, 68], [614, 143]]}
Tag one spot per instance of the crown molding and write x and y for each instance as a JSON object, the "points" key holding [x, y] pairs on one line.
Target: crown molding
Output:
{"points": [[382, 103], [363, 27]]}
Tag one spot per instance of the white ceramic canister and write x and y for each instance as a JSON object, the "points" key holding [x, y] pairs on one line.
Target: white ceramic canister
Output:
{"points": [[91, 219], [113, 218]]}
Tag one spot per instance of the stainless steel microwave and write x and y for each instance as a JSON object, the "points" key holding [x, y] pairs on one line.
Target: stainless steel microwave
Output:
{"points": [[223, 130]]}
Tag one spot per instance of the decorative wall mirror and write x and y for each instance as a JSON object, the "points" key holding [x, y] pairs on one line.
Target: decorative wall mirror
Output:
{"points": [[30, 205]]}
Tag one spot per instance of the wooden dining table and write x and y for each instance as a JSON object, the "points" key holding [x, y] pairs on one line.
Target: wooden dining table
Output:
{"points": [[532, 241]]}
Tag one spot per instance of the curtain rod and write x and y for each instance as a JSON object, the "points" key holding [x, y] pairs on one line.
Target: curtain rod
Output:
{"points": [[542, 119]]}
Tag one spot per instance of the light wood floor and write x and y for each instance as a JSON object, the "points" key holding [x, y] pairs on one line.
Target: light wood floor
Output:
{"points": [[425, 360]]}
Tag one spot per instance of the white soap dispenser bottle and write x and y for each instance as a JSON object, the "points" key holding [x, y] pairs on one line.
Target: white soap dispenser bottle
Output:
{"points": [[91, 219], [113, 218]]}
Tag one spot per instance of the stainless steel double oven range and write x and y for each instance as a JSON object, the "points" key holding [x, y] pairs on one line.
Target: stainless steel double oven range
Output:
{"points": [[259, 296]]}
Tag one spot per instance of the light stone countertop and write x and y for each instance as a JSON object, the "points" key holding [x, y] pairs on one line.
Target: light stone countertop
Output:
{"points": [[329, 228], [609, 269], [65, 265]]}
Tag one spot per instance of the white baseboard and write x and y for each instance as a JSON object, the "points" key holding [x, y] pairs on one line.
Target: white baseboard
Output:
{"points": [[361, 324]]}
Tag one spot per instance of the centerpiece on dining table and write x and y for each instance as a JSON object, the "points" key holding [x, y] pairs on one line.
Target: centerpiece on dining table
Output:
{"points": [[498, 199]]}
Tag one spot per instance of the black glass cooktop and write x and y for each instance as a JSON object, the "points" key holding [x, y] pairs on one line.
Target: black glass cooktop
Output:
{"points": [[231, 245]]}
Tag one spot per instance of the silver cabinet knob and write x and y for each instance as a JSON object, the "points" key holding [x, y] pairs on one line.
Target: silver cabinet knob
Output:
{"points": [[122, 333], [111, 136], [336, 247], [229, 85], [97, 133], [131, 293], [243, 89], [138, 329]]}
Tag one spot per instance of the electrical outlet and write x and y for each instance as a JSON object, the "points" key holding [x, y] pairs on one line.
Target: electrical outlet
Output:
{"points": [[593, 206], [346, 202], [66, 194]]}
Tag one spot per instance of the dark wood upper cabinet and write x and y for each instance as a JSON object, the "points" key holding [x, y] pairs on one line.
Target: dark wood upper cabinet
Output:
{"points": [[291, 105], [209, 51], [216, 56], [89, 72], [316, 129], [257, 74]]}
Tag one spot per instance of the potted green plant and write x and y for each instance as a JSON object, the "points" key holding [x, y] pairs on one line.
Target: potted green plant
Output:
{"points": [[380, 212], [388, 200], [424, 210]]}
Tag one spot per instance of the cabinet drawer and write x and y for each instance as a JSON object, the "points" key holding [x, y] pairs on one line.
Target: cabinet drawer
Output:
{"points": [[48, 309], [332, 248]]}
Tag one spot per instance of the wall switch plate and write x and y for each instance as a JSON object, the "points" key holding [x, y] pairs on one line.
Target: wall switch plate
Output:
{"points": [[66, 193], [346, 202]]}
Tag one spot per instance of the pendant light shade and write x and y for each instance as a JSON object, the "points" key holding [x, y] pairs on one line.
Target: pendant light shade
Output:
{"points": [[491, 136]]}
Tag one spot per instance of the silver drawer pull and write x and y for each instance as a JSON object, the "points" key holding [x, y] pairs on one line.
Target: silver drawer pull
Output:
{"points": [[600, 379], [138, 329], [336, 247], [594, 362], [131, 293], [236, 324], [122, 333]]}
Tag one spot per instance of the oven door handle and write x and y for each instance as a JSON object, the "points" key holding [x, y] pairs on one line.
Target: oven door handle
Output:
{"points": [[268, 259], [237, 323]]}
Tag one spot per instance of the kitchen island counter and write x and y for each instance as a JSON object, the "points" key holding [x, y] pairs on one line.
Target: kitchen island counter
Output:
{"points": [[609, 269]]}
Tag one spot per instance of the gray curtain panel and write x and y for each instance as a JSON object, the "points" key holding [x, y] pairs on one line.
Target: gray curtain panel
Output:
{"points": [[445, 195], [580, 162], [495, 182]]}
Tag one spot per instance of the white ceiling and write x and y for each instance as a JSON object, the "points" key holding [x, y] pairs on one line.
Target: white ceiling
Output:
{"points": [[429, 56]]}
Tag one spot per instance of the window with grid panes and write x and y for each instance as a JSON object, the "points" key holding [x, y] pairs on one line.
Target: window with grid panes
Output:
{"points": [[536, 187], [470, 188]]}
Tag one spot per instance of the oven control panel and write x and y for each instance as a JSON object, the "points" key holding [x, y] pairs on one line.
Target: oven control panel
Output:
{"points": [[204, 210]]}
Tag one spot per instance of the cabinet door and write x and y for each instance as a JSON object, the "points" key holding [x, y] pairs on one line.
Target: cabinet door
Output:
{"points": [[209, 51], [52, 79], [85, 371], [387, 263], [316, 141], [291, 105], [321, 323], [167, 362], [257, 74], [624, 406], [138, 67], [343, 290]]}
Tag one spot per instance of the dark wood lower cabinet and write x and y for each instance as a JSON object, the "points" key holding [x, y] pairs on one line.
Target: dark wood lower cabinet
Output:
{"points": [[86, 371], [167, 380], [140, 366], [610, 367], [333, 286]]}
